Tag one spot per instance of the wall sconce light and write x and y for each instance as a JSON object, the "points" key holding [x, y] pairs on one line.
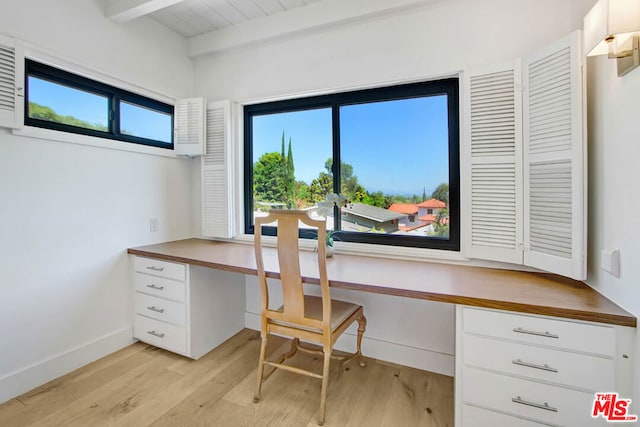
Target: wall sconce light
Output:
{"points": [[612, 27]]}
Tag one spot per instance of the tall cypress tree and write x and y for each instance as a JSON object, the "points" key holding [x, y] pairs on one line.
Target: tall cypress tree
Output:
{"points": [[290, 177]]}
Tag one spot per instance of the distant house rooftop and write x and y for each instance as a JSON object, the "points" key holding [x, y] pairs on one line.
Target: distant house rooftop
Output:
{"points": [[372, 212], [433, 204], [429, 218], [404, 208]]}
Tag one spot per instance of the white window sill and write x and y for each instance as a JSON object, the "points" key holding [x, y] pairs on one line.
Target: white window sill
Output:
{"points": [[92, 141]]}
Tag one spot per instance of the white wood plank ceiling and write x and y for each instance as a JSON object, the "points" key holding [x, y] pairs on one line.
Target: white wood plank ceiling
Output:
{"points": [[194, 17], [217, 25]]}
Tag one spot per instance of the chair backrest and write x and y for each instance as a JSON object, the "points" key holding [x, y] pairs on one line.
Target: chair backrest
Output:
{"points": [[289, 267]]}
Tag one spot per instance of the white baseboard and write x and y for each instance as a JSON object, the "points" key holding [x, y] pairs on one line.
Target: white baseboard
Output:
{"points": [[419, 358], [25, 379]]}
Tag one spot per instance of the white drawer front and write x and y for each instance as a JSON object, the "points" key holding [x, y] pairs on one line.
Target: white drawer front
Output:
{"points": [[477, 417], [161, 309], [170, 270], [529, 399], [160, 287], [578, 370], [537, 330], [160, 334]]}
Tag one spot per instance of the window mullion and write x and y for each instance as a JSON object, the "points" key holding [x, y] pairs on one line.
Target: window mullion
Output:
{"points": [[335, 168], [114, 115]]}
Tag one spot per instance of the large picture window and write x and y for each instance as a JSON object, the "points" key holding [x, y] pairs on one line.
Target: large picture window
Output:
{"points": [[392, 152], [59, 100]]}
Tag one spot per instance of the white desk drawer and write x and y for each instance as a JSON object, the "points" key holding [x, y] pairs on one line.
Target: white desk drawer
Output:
{"points": [[577, 370], [161, 309], [528, 399], [160, 287], [542, 331], [160, 334], [170, 270], [477, 417]]}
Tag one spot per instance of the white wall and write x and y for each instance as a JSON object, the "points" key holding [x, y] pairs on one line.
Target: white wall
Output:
{"points": [[614, 206], [614, 202], [441, 39], [68, 212]]}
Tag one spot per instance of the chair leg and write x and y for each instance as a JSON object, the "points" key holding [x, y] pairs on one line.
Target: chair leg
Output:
{"points": [[263, 351], [325, 383], [362, 326], [295, 343]]}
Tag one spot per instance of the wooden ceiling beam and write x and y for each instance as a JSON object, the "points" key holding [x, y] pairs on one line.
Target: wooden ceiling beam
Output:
{"points": [[127, 10], [316, 15]]}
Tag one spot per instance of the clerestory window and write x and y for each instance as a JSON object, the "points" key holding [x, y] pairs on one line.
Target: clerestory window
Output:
{"points": [[58, 100]]}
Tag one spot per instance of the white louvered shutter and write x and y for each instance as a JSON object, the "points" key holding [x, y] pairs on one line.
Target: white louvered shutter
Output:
{"points": [[554, 159], [494, 154], [217, 169], [11, 83], [189, 127]]}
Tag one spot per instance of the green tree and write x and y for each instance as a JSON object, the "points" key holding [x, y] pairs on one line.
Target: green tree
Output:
{"points": [[349, 185], [303, 195], [441, 193], [378, 199], [290, 178], [268, 182], [274, 177], [320, 187]]}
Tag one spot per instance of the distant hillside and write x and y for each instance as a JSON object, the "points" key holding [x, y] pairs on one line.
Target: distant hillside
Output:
{"points": [[37, 111]]}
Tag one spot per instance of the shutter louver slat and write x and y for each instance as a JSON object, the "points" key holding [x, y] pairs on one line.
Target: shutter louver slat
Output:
{"points": [[190, 126], [7, 78], [217, 200], [553, 197], [11, 83], [554, 193], [493, 131]]}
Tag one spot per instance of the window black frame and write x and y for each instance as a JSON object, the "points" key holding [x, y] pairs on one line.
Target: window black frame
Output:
{"points": [[449, 87], [113, 94]]}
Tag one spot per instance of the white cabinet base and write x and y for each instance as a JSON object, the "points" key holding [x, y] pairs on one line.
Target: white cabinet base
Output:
{"points": [[186, 309], [516, 369]]}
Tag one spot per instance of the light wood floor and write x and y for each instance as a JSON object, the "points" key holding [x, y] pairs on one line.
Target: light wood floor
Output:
{"points": [[141, 385]]}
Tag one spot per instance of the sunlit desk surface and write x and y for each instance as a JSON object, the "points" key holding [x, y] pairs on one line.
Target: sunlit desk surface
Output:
{"points": [[524, 292]]}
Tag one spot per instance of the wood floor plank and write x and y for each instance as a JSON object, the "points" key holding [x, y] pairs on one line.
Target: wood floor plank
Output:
{"points": [[73, 378], [346, 384], [418, 402], [49, 398], [106, 404], [372, 402], [242, 393], [142, 386], [195, 374], [290, 399], [188, 411]]}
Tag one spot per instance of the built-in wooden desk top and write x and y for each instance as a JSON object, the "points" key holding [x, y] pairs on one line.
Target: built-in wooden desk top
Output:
{"points": [[536, 293]]}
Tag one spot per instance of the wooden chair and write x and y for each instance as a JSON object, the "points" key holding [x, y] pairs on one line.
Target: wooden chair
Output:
{"points": [[319, 320]]}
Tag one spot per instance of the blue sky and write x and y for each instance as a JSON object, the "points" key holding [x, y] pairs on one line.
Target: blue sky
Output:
{"points": [[94, 108], [397, 147]]}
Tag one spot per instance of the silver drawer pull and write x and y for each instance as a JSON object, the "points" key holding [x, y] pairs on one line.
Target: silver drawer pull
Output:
{"points": [[157, 310], [540, 334], [155, 334], [154, 268], [544, 367], [544, 405], [156, 287]]}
